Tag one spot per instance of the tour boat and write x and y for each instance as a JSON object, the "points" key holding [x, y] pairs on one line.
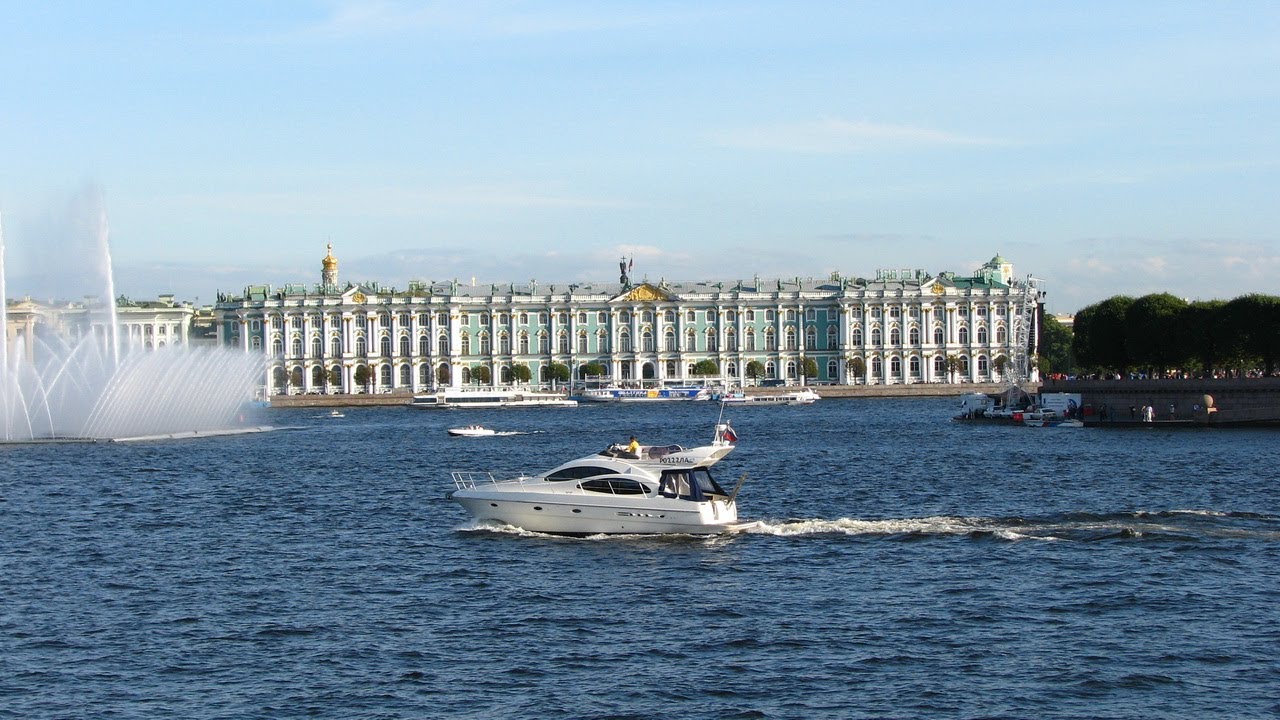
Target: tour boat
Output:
{"points": [[805, 396], [1048, 418], [659, 489], [467, 397], [653, 394]]}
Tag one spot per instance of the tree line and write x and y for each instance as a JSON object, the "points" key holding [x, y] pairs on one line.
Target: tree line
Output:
{"points": [[1160, 335]]}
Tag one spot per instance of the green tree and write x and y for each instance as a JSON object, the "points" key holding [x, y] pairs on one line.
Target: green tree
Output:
{"points": [[480, 374], [1203, 330], [703, 368], [591, 369], [521, 373], [362, 376], [755, 369], [1099, 341], [1255, 320], [442, 374], [1151, 333], [1055, 347], [335, 377], [855, 369], [952, 364], [559, 372], [809, 368]]}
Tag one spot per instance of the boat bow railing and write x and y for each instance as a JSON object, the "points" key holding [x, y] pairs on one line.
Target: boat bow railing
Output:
{"points": [[464, 480]]}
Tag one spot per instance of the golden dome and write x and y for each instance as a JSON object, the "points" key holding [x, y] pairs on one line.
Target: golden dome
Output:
{"points": [[330, 262]]}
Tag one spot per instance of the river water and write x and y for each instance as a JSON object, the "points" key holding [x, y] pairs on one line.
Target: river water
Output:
{"points": [[907, 566]]}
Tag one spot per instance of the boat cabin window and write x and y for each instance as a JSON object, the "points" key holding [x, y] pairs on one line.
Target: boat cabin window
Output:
{"points": [[614, 486], [689, 484], [577, 472]]}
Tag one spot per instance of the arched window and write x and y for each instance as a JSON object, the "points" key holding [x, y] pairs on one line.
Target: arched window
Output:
{"points": [[442, 345], [544, 342], [982, 336], [582, 341], [939, 366], [833, 369], [362, 346], [624, 341], [964, 336], [424, 344], [317, 346], [770, 369], [791, 369], [855, 337], [691, 340], [876, 336], [406, 375], [982, 365], [424, 375], [1000, 335], [750, 345], [646, 340], [504, 343], [895, 336], [524, 343], [876, 368], [384, 344], [668, 316], [405, 347], [669, 340], [938, 337], [913, 335], [895, 367], [915, 366], [335, 346], [466, 344], [562, 340], [770, 340], [296, 348], [602, 341], [731, 369], [832, 338], [712, 344], [811, 338], [791, 336], [486, 345], [386, 376]]}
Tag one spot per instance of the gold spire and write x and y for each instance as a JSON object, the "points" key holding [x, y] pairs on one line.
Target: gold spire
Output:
{"points": [[330, 262]]}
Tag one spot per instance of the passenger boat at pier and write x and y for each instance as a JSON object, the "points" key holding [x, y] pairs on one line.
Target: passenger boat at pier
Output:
{"points": [[804, 396], [658, 489], [465, 397], [640, 394]]}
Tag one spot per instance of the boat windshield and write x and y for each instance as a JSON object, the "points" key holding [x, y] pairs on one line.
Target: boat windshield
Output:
{"points": [[689, 484]]}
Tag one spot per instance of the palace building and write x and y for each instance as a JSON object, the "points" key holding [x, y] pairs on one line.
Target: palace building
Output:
{"points": [[903, 326]]}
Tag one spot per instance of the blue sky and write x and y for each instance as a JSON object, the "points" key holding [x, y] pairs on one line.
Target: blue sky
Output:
{"points": [[1104, 147]]}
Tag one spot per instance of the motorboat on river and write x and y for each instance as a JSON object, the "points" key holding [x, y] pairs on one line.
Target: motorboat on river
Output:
{"points": [[657, 489], [472, 431]]}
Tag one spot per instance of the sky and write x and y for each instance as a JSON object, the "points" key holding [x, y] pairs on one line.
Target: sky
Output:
{"points": [[1102, 147]]}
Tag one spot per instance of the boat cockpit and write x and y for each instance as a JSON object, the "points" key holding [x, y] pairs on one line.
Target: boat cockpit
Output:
{"points": [[647, 452]]}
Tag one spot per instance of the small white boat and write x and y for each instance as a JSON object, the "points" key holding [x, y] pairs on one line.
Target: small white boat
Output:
{"points": [[1049, 418], [336, 413], [472, 431], [805, 396], [659, 489]]}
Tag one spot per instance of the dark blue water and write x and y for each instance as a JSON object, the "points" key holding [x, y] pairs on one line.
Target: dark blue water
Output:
{"points": [[908, 567]]}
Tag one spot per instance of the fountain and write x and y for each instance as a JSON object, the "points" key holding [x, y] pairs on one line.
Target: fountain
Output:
{"points": [[80, 383]]}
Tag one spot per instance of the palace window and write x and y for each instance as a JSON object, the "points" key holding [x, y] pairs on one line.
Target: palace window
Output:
{"points": [[484, 319], [939, 366], [770, 369], [335, 346], [832, 338], [769, 316], [563, 342], [939, 338], [1000, 335], [624, 341], [770, 340], [751, 340], [582, 341], [833, 369], [524, 343], [544, 343], [602, 341], [442, 344], [317, 346], [691, 340], [464, 319], [895, 336], [811, 338], [855, 337], [895, 311], [405, 376], [384, 344], [876, 336], [982, 336], [362, 346], [405, 345], [791, 338], [582, 318], [296, 347], [504, 343], [466, 344], [964, 336], [424, 345], [749, 315], [915, 366], [691, 316], [384, 320], [602, 318], [877, 368], [913, 335], [646, 340], [712, 344], [731, 340], [895, 367], [486, 345], [982, 365], [669, 340]]}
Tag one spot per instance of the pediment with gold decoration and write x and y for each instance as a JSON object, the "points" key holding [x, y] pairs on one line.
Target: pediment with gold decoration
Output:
{"points": [[644, 292]]}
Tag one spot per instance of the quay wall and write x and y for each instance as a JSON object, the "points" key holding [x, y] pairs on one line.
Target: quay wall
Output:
{"points": [[1231, 401], [403, 397]]}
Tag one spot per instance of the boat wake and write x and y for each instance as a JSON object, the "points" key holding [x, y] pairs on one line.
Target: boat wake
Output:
{"points": [[1171, 525], [1189, 525]]}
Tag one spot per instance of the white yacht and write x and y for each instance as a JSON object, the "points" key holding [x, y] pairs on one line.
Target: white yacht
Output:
{"points": [[488, 397], [659, 489]]}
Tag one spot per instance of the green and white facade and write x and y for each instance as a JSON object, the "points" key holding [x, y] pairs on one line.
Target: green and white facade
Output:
{"points": [[900, 327]]}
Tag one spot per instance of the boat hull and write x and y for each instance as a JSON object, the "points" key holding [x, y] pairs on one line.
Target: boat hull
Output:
{"points": [[577, 515]]}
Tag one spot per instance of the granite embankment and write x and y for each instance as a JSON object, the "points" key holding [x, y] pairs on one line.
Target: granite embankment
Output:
{"points": [[400, 397], [1227, 401]]}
